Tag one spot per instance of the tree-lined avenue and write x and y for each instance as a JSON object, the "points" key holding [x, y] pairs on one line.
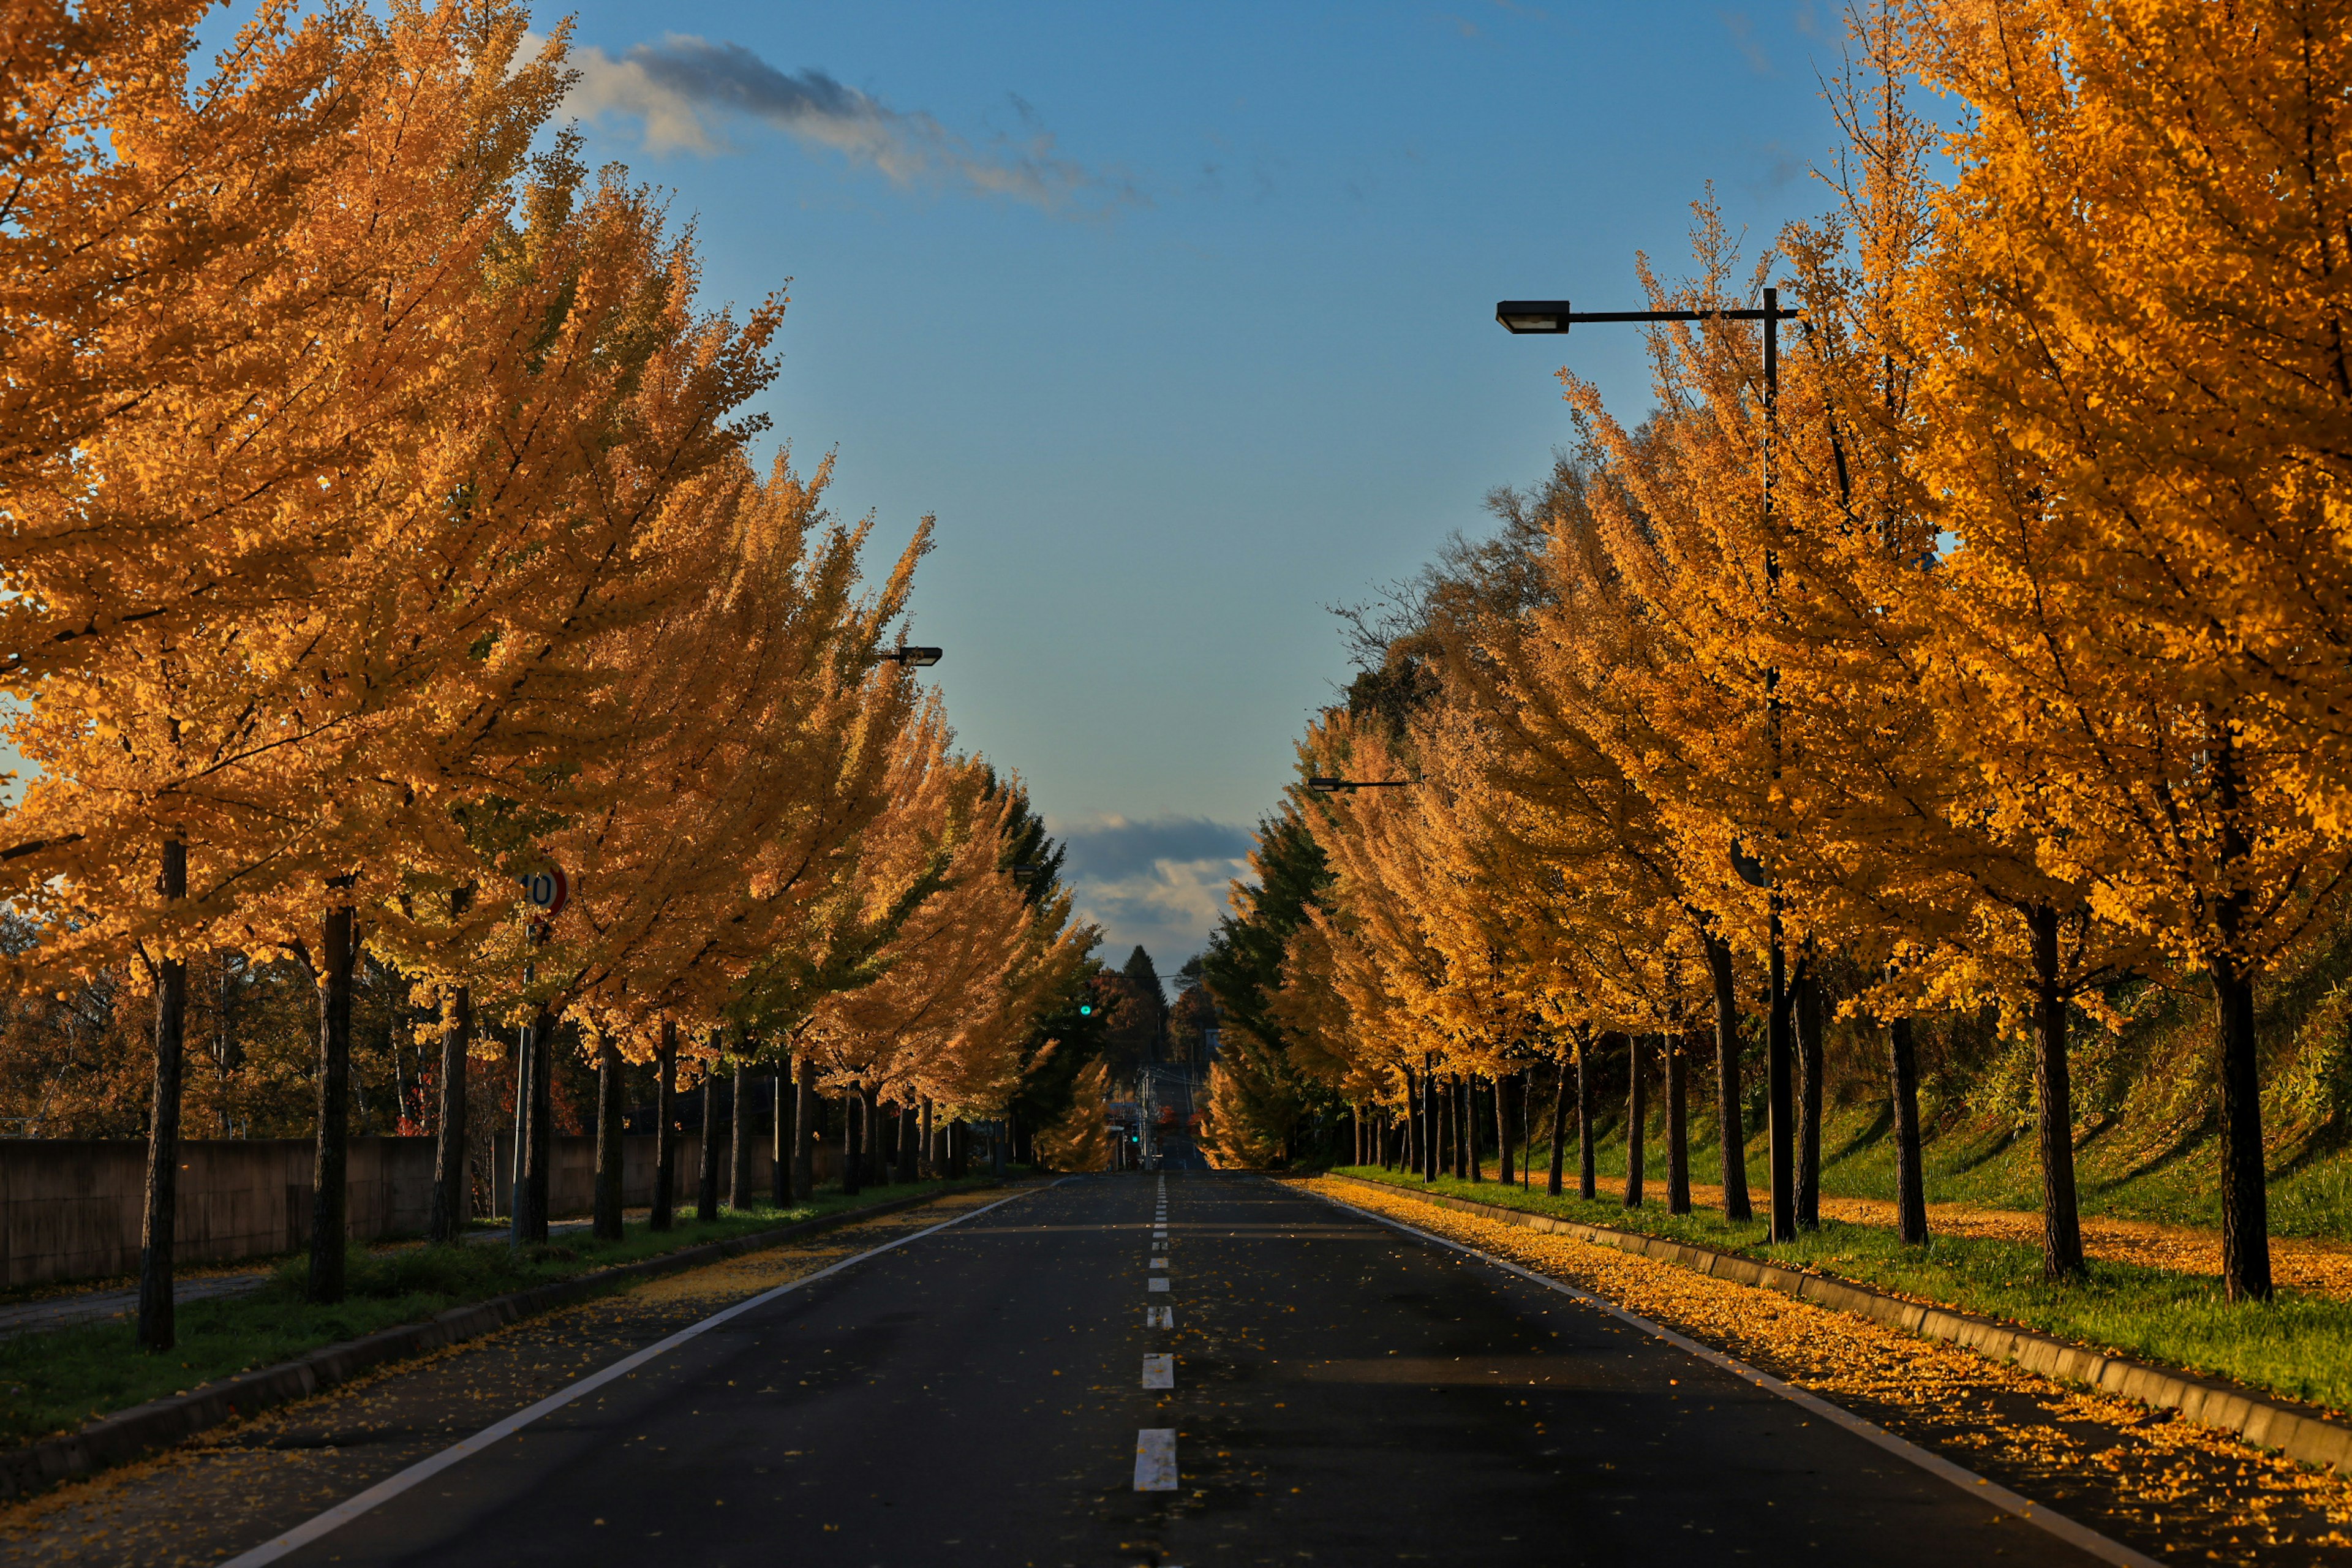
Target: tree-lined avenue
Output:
{"points": [[1338, 1388]]}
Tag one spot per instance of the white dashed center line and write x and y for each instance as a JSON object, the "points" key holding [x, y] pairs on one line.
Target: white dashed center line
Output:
{"points": [[1155, 1459], [1159, 1284], [1159, 1317], [1160, 1371]]}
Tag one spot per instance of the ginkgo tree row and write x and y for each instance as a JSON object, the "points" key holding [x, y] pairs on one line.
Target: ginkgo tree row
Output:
{"points": [[382, 528], [1996, 656]]}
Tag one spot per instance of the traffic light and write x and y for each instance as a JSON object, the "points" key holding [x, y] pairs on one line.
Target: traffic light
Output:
{"points": [[1085, 1009]]}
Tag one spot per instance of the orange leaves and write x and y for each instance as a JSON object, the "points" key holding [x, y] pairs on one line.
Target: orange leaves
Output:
{"points": [[2136, 446], [380, 509]]}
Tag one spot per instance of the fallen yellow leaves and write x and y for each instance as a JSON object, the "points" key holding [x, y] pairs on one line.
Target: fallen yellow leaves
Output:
{"points": [[722, 1284], [2116, 1465]]}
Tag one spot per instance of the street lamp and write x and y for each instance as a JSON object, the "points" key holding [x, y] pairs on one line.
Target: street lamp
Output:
{"points": [[1322, 784], [919, 658], [1553, 318]]}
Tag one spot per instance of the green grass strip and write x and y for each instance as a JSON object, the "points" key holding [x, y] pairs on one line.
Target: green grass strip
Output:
{"points": [[53, 1380]]}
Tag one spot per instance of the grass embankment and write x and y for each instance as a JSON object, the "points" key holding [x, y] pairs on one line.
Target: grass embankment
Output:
{"points": [[2298, 1346], [2121, 1172], [55, 1381]]}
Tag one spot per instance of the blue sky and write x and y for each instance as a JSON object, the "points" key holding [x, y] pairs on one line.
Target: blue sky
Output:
{"points": [[1180, 318]]}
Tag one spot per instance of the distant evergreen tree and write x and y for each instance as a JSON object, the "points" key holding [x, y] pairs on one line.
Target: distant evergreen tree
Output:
{"points": [[1026, 844]]}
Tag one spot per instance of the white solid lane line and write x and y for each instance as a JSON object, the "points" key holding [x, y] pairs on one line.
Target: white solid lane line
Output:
{"points": [[2081, 1536], [1155, 1459], [1159, 1317], [1160, 1371], [383, 1491]]}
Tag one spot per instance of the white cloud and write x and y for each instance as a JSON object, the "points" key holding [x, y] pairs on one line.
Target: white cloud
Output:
{"points": [[1161, 883], [684, 90]]}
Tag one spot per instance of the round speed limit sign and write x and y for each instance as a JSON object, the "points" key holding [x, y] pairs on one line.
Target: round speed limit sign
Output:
{"points": [[545, 891]]}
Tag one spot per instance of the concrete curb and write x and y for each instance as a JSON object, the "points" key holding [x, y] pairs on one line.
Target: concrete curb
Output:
{"points": [[128, 1434], [2297, 1430]]}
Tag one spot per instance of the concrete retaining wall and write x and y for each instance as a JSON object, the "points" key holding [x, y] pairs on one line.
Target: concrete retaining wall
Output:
{"points": [[572, 1172], [70, 1208]]}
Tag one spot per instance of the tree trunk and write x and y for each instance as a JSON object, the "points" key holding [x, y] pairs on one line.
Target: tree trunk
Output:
{"points": [[156, 1328], [1588, 1185], [1910, 1183], [1637, 1114], [1727, 1083], [779, 1140], [1503, 1128], [1677, 1125], [706, 1187], [540, 1145], [958, 1149], [228, 1055], [2245, 1199], [1558, 1131], [804, 1114], [2062, 1230], [607, 1225], [1809, 1107], [870, 1106], [666, 1131], [930, 1166], [1431, 1131], [520, 1161], [328, 1205], [1526, 1125], [910, 1132], [738, 1169], [451, 1187], [852, 1150], [1780, 1091], [1471, 1152]]}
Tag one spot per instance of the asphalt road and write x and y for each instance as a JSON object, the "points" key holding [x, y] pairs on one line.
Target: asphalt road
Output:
{"points": [[1341, 1393]]}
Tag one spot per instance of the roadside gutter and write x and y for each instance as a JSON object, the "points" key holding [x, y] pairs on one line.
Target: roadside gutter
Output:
{"points": [[128, 1434], [2302, 1432]]}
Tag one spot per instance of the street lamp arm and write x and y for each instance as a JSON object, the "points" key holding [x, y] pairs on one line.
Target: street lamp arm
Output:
{"points": [[1555, 315]]}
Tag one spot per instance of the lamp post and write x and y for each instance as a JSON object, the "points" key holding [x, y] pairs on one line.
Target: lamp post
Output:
{"points": [[1553, 318], [1322, 784], [913, 658]]}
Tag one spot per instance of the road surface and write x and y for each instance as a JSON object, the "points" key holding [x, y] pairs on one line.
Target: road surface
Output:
{"points": [[1338, 1392]]}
